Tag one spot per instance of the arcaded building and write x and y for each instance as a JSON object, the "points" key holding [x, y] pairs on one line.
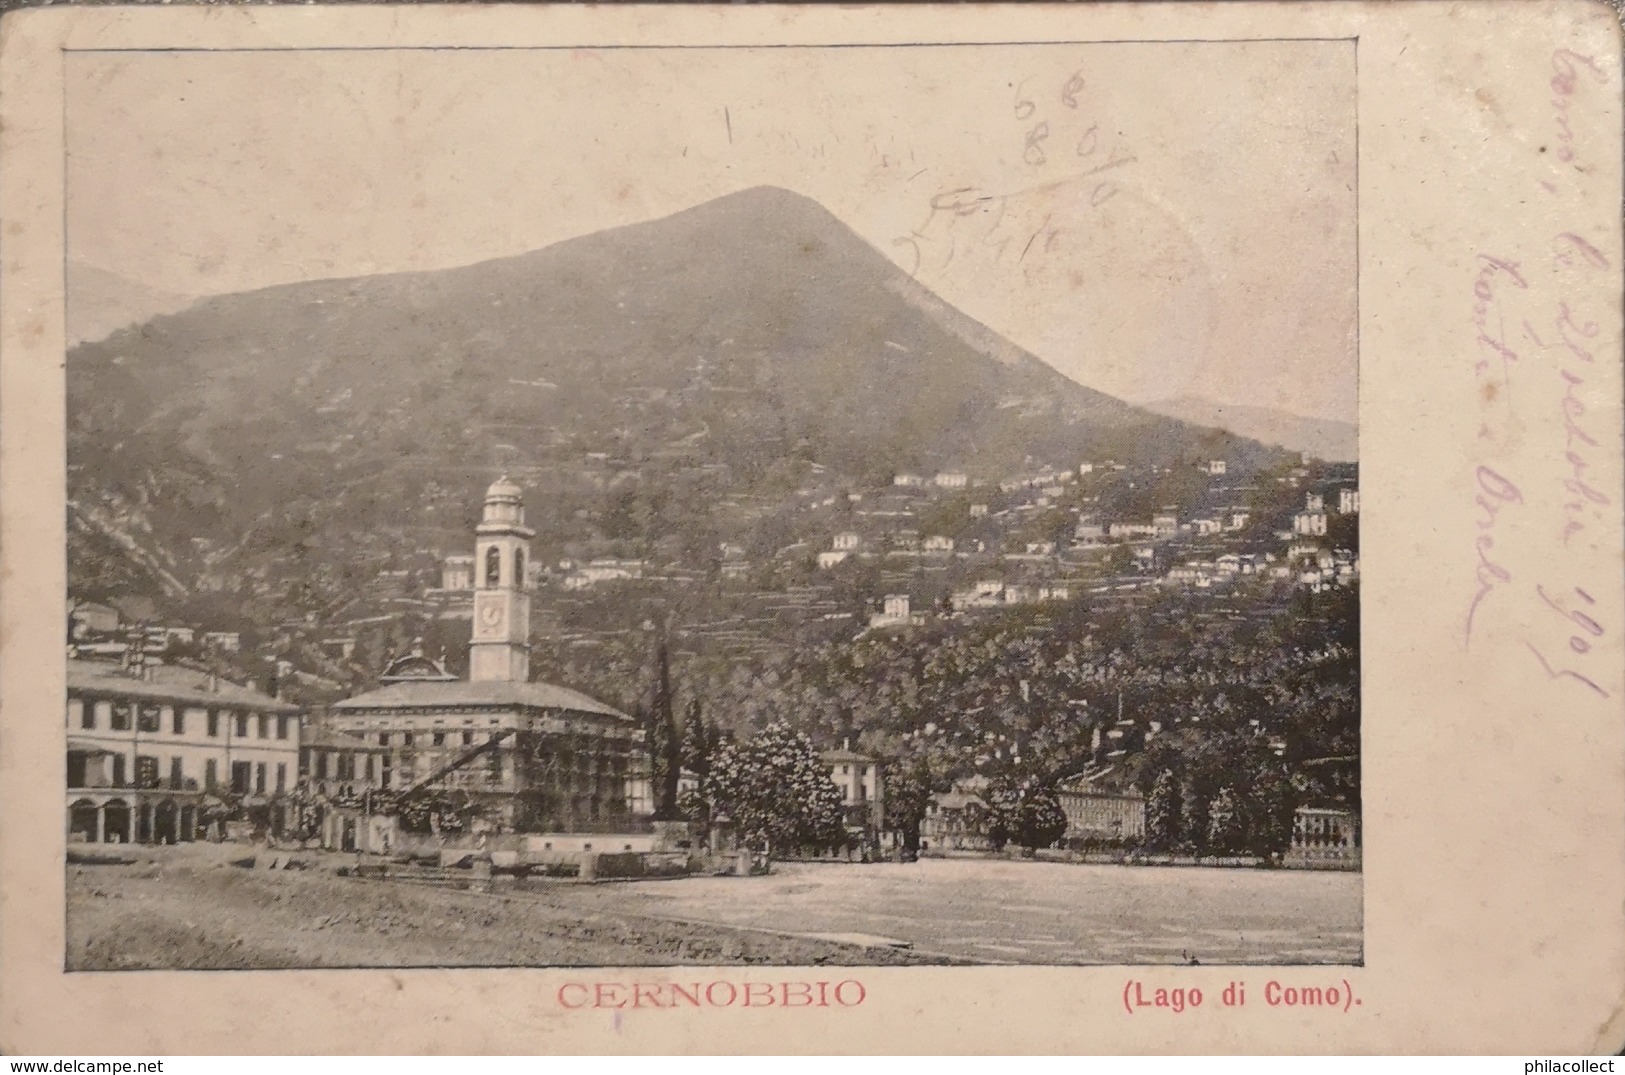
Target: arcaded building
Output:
{"points": [[532, 756], [148, 744]]}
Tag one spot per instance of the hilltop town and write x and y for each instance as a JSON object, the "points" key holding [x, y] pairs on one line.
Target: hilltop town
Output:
{"points": [[828, 562]]}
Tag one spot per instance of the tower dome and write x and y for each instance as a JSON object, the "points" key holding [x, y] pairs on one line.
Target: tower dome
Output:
{"points": [[504, 504], [503, 489]]}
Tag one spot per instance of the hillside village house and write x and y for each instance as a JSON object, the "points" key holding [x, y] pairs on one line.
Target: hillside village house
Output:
{"points": [[895, 613], [457, 573], [1348, 501], [1309, 523], [952, 480], [533, 756], [224, 641], [148, 743]]}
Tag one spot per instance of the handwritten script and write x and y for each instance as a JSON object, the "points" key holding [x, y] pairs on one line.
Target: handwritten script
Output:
{"points": [[1543, 338]]}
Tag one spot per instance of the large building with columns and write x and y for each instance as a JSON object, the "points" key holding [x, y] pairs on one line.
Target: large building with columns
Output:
{"points": [[149, 743], [532, 756]]}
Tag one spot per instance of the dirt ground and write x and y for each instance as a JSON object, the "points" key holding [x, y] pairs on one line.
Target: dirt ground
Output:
{"points": [[188, 907]]}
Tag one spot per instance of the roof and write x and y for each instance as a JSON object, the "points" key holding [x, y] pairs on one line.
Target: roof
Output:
{"points": [[503, 489], [323, 738], [1096, 788], [432, 694], [957, 800], [171, 684]]}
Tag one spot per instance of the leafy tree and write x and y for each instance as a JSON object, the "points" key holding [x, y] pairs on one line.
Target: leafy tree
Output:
{"points": [[1225, 833], [1269, 813], [909, 787], [776, 791], [1027, 814], [1163, 819]]}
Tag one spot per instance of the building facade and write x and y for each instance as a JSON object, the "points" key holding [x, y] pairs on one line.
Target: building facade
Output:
{"points": [[1094, 812], [862, 788], [524, 756], [956, 820], [150, 746]]}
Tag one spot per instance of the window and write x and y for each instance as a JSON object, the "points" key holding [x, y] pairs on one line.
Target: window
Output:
{"points": [[321, 765], [146, 771], [121, 717], [383, 739], [406, 739], [214, 724], [282, 727], [468, 739], [177, 776], [493, 567], [519, 569], [147, 718], [240, 776], [87, 715], [241, 722], [383, 781], [369, 768], [211, 774], [281, 777], [439, 739], [264, 729], [119, 774], [177, 721], [259, 779]]}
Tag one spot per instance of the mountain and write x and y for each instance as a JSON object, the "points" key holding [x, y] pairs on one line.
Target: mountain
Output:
{"points": [[103, 301], [642, 382], [1323, 438]]}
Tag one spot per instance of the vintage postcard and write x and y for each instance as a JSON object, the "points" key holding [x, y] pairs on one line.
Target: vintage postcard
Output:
{"points": [[669, 530]]}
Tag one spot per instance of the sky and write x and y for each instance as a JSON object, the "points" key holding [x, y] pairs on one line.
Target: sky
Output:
{"points": [[1154, 220]]}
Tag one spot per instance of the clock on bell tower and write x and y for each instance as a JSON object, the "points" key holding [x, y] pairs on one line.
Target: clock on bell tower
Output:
{"points": [[500, 648]]}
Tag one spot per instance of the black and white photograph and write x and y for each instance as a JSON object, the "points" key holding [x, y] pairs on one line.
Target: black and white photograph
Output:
{"points": [[833, 505]]}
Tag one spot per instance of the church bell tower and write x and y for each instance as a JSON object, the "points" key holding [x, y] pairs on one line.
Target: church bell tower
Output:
{"points": [[500, 649]]}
